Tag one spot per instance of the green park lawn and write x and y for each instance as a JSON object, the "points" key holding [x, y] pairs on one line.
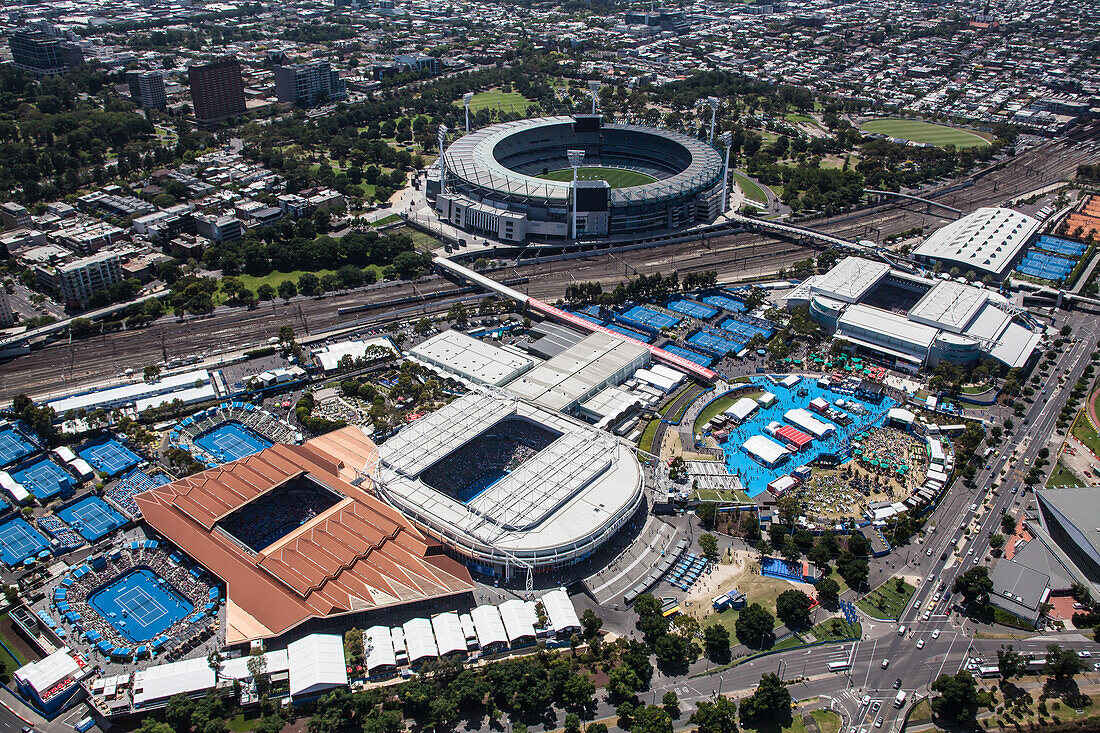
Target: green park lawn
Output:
{"points": [[503, 101], [925, 132], [718, 406], [1085, 431], [1062, 476], [750, 188], [835, 629], [615, 177], [885, 601], [253, 282]]}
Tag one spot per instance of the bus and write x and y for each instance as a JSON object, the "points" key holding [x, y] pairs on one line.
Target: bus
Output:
{"points": [[988, 671], [839, 666]]}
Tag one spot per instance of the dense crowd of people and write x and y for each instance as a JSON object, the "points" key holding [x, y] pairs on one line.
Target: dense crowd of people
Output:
{"points": [[494, 453], [259, 523]]}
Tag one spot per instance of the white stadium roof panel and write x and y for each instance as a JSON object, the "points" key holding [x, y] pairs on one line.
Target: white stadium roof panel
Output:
{"points": [[850, 279], [949, 305], [986, 240], [471, 358]]}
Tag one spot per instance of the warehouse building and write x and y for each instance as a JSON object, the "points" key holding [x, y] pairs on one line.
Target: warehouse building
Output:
{"points": [[986, 242]]}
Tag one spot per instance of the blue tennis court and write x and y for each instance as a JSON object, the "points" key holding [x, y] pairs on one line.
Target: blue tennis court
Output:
{"points": [[714, 343], [110, 457], [691, 308], [726, 303], [18, 541], [14, 446], [743, 330], [140, 604], [93, 518], [649, 318], [44, 478], [692, 356], [230, 441], [643, 337], [1060, 246]]}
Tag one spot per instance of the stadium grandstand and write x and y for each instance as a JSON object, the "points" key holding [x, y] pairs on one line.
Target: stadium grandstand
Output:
{"points": [[507, 485], [230, 431], [333, 551], [513, 181]]}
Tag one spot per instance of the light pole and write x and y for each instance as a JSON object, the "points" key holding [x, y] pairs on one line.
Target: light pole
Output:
{"points": [[575, 158], [712, 102], [727, 140], [593, 89], [466, 99], [441, 135]]}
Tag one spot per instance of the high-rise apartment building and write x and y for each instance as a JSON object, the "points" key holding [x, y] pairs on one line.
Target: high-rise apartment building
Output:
{"points": [[38, 53], [308, 83], [217, 90], [147, 89]]}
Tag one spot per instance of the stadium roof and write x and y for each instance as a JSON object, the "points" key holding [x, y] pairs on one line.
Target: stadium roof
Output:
{"points": [[471, 359], [126, 393], [949, 305], [357, 555], [866, 320], [580, 371], [987, 240], [549, 508], [850, 279]]}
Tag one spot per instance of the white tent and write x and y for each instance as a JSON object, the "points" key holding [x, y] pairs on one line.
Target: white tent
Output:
{"points": [[13, 487], [741, 409], [562, 615], [316, 664], [420, 640], [448, 634], [518, 621], [807, 423], [158, 683], [765, 450], [237, 668], [489, 627], [65, 454], [766, 400], [379, 648], [82, 469]]}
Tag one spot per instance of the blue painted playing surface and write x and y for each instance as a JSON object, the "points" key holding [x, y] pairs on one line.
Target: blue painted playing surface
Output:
{"points": [[93, 518], [230, 441], [641, 316], [643, 337], [18, 541], [727, 304], [1060, 246], [43, 478], [13, 446], [756, 477], [692, 356], [110, 457], [140, 604], [743, 330], [691, 308], [714, 343]]}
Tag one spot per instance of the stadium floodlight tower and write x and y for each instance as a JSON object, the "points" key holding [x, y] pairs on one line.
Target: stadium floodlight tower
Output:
{"points": [[466, 99], [575, 159], [727, 140], [712, 102], [442, 137], [594, 89]]}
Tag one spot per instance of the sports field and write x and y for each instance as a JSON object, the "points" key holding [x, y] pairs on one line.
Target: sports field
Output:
{"points": [[919, 131], [504, 101], [615, 177]]}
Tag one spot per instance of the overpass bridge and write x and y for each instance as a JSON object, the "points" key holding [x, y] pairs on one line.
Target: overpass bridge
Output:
{"points": [[918, 199], [800, 233]]}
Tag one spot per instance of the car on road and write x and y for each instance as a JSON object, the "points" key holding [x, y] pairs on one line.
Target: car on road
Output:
{"points": [[865, 701], [885, 663], [928, 552], [927, 615], [1084, 654], [897, 683], [878, 723], [936, 598], [935, 633], [920, 643]]}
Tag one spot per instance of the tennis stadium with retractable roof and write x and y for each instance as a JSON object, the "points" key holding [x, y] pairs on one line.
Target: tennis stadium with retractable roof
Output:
{"points": [[299, 541], [510, 486]]}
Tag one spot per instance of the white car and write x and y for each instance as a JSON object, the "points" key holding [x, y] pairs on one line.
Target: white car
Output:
{"points": [[936, 597], [920, 643], [878, 723], [1084, 654], [927, 615], [935, 633]]}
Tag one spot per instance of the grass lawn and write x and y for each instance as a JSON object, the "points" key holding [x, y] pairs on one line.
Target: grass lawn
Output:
{"points": [[10, 663], [240, 723], [827, 721], [835, 629], [796, 726], [718, 406], [252, 282], [751, 189], [758, 588], [1085, 431], [421, 240], [710, 495], [1062, 476], [646, 441], [390, 219], [615, 177], [504, 101], [925, 132], [922, 711], [885, 601]]}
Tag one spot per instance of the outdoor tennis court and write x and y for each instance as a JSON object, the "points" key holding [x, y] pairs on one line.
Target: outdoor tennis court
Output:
{"points": [[692, 356], [743, 330], [727, 304], [714, 343], [643, 337], [13, 446], [140, 604], [92, 518], [44, 478], [650, 318], [110, 457], [230, 441], [691, 308], [18, 541]]}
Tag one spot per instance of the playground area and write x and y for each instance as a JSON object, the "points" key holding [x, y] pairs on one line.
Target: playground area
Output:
{"points": [[14, 446], [92, 518], [19, 543], [139, 604], [231, 441], [836, 443], [109, 457]]}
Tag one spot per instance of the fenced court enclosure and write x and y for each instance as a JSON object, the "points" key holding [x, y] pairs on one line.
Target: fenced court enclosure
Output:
{"points": [[19, 542], [648, 318], [92, 517], [140, 604], [231, 440], [691, 308], [109, 456], [43, 478], [14, 446]]}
